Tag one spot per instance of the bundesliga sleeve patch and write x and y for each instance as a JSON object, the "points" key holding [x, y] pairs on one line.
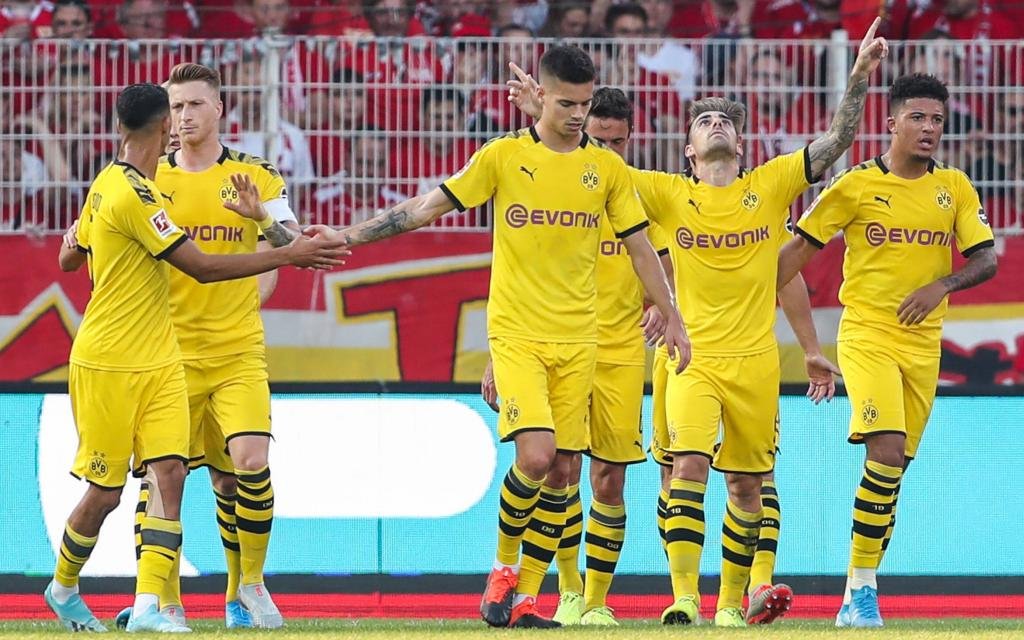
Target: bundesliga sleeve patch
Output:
{"points": [[983, 217], [163, 225]]}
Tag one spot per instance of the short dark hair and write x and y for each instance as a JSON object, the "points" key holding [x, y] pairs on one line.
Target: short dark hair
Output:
{"points": [[568, 63], [77, 4], [442, 94], [610, 102], [916, 85], [618, 10], [140, 105], [512, 26]]}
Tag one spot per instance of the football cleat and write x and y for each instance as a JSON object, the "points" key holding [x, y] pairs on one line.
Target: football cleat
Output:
{"points": [[864, 608], [685, 610], [525, 616], [769, 602], [599, 617], [496, 606], [262, 611], [73, 612], [570, 609]]}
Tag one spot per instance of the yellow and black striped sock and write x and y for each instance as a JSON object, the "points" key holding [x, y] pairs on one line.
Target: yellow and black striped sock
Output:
{"points": [[74, 553], [892, 525], [662, 515], [161, 543], [140, 513], [739, 541], [171, 596], [606, 531], [518, 498], [568, 555], [684, 533], [763, 569], [254, 515], [872, 513], [541, 539], [229, 540]]}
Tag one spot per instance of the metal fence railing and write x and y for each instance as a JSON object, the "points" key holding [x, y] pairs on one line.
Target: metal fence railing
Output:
{"points": [[357, 124]]}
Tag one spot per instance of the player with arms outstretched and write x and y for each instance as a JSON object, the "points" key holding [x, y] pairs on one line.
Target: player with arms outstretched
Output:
{"points": [[553, 188], [899, 214]]}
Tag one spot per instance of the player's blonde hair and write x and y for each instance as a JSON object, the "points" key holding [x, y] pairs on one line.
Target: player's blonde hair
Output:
{"points": [[733, 110], [192, 72]]}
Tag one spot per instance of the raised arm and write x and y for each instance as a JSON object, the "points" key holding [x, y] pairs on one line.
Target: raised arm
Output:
{"points": [[827, 148], [406, 216], [981, 266], [796, 304]]}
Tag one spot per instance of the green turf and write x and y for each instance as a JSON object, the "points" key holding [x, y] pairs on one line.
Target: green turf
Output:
{"points": [[631, 630]]}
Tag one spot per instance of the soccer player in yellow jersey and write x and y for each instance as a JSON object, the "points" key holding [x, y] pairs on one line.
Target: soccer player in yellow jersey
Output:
{"points": [[553, 188], [900, 214], [727, 226], [767, 601], [126, 381], [616, 399]]}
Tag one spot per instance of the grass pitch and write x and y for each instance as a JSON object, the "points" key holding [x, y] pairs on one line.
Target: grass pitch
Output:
{"points": [[303, 629]]}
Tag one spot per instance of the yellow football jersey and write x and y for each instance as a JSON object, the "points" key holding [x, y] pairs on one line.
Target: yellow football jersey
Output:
{"points": [[548, 210], [725, 245], [898, 236], [218, 318], [126, 233], [620, 295]]}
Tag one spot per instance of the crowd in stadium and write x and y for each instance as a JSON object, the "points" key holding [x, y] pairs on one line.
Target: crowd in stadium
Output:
{"points": [[365, 122]]}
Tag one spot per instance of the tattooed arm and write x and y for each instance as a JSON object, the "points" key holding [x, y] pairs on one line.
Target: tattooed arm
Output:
{"points": [[980, 267], [826, 149], [406, 216], [279, 234]]}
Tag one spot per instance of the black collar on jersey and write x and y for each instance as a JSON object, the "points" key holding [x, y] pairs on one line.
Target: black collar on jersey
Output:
{"points": [[693, 176], [121, 163], [583, 140], [224, 155], [885, 169]]}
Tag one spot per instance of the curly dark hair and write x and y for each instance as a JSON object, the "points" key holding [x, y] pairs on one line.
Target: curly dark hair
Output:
{"points": [[568, 63], [610, 102], [916, 85], [140, 105]]}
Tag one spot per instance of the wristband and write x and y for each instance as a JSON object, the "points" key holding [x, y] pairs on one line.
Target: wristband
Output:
{"points": [[266, 223]]}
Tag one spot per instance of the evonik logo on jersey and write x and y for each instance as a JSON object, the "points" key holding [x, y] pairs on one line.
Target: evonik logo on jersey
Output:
{"points": [[687, 239], [878, 234], [207, 232], [518, 216]]}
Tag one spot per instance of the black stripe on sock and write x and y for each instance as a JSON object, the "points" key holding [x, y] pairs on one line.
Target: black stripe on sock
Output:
{"points": [[158, 538], [229, 545], [510, 530], [571, 541], [769, 523], [873, 508], [768, 491], [256, 505], [770, 503], [74, 548], [538, 553], [517, 488], [574, 519], [253, 526], [737, 538], [601, 541], [880, 477], [689, 512], [140, 506], [254, 478], [512, 512], [682, 534], [573, 499], [875, 488], [747, 524], [767, 544], [225, 525], [870, 531], [252, 490], [686, 494], [596, 564], [612, 522], [736, 558], [70, 559]]}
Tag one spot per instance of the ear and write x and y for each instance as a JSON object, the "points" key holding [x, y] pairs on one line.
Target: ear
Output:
{"points": [[220, 109], [690, 152], [739, 147], [540, 92], [890, 124]]}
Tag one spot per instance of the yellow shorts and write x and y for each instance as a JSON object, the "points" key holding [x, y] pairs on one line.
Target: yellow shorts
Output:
{"points": [[228, 396], [616, 433], [126, 419], [739, 393], [659, 381], [890, 391], [544, 386]]}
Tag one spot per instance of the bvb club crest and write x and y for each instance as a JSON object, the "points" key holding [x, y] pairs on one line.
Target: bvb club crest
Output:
{"points": [[228, 193], [943, 199], [98, 467], [512, 413], [590, 179], [750, 200], [869, 414]]}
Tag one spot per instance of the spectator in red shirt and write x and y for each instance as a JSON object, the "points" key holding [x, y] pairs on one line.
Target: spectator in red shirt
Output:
{"points": [[25, 19], [977, 22], [999, 162], [392, 18], [146, 19], [333, 18], [72, 20], [345, 111], [362, 191], [440, 149], [31, 187]]}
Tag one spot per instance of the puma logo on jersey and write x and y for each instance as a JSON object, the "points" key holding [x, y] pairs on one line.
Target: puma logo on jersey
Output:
{"points": [[884, 200], [527, 171], [695, 205], [168, 198]]}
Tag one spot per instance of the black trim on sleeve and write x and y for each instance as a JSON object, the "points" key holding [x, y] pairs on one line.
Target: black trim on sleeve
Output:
{"points": [[663, 252], [80, 249], [451, 196], [807, 167], [584, 140], [533, 134], [224, 154], [984, 244], [809, 238], [170, 159], [121, 163], [931, 166], [630, 231], [260, 238], [170, 249], [881, 165]]}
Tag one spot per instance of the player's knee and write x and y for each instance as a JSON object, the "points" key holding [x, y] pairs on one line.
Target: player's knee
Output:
{"points": [[744, 490], [607, 482], [169, 474], [691, 467], [537, 463], [887, 449], [250, 461], [249, 453], [225, 484], [103, 501]]}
